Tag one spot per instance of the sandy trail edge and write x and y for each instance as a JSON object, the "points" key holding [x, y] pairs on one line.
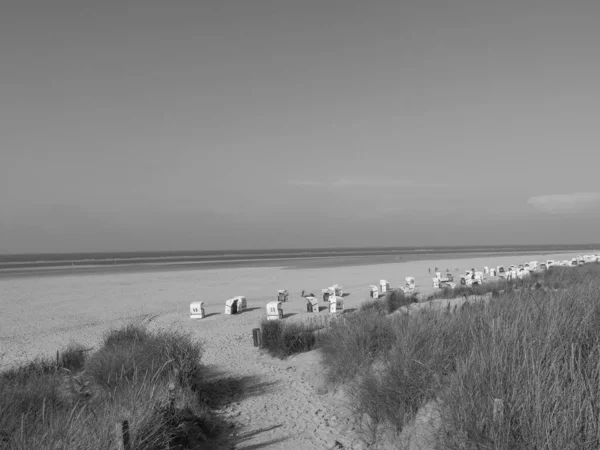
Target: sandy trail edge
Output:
{"points": [[287, 405], [40, 315]]}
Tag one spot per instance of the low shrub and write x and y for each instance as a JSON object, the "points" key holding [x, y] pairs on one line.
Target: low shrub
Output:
{"points": [[134, 349], [391, 302], [73, 357], [75, 404], [494, 287], [355, 343], [281, 338]]}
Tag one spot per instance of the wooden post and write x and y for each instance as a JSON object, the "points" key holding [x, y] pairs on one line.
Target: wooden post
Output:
{"points": [[119, 436], [57, 359], [126, 437], [498, 411], [171, 395], [255, 333], [122, 435]]}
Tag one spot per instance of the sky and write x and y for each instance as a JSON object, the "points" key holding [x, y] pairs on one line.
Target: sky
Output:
{"points": [[241, 124]]}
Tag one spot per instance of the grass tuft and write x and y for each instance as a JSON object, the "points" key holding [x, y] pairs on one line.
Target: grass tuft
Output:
{"points": [[535, 349], [76, 404], [134, 349], [281, 338], [390, 302]]}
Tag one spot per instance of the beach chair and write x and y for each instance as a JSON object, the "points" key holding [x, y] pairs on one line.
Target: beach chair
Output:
{"points": [[274, 311], [242, 303], [312, 305], [373, 291], [336, 304], [197, 310], [231, 306]]}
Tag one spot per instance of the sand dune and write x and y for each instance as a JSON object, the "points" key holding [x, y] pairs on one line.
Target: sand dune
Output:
{"points": [[289, 406]]}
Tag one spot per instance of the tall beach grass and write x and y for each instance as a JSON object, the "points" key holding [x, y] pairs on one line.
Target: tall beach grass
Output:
{"points": [[152, 380], [519, 371], [282, 338]]}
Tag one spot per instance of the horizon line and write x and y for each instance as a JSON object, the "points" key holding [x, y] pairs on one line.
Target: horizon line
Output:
{"points": [[308, 249]]}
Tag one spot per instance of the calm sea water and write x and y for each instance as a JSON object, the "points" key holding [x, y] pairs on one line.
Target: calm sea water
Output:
{"points": [[211, 258]]}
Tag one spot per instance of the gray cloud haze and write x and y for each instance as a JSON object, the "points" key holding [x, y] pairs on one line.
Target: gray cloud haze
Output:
{"points": [[567, 203], [221, 124]]}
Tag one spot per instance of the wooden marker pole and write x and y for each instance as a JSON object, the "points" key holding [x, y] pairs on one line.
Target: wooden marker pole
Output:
{"points": [[122, 435], [171, 395], [498, 411]]}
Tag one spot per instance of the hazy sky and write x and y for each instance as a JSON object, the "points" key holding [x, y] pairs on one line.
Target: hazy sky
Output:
{"points": [[142, 125]]}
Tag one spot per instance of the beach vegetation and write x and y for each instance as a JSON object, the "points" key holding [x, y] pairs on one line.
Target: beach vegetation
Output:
{"points": [[144, 388], [519, 371], [282, 338], [390, 302]]}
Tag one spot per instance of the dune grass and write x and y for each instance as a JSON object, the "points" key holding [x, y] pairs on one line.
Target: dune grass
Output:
{"points": [[494, 287], [372, 335], [281, 338], [390, 302], [535, 351], [77, 403], [135, 350]]}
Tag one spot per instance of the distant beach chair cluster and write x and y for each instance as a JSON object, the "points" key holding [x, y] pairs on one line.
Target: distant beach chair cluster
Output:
{"points": [[472, 277], [334, 294]]}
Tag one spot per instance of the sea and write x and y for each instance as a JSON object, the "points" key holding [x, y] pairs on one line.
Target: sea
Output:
{"points": [[62, 263]]}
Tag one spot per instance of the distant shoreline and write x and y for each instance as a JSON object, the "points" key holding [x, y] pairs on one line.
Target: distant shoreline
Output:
{"points": [[101, 258], [133, 265]]}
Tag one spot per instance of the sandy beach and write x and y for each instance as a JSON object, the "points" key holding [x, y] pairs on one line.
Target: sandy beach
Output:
{"points": [[40, 315]]}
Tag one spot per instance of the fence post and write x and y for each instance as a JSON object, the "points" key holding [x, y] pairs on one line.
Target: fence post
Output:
{"points": [[122, 435], [57, 359], [171, 395], [498, 411], [255, 333]]}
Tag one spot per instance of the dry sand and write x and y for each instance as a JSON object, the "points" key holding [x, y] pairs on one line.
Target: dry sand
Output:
{"points": [[289, 406]]}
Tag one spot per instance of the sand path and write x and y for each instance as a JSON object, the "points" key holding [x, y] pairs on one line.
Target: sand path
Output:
{"points": [[287, 405]]}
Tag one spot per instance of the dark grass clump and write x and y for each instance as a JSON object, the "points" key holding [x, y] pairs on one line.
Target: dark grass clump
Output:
{"points": [[282, 339], [29, 392], [39, 366], [134, 349], [352, 345], [392, 301], [74, 401], [495, 288], [559, 277], [73, 357]]}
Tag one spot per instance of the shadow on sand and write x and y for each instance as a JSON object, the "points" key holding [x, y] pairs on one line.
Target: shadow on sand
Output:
{"points": [[211, 314], [252, 309], [345, 294], [246, 436], [285, 316], [219, 389]]}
